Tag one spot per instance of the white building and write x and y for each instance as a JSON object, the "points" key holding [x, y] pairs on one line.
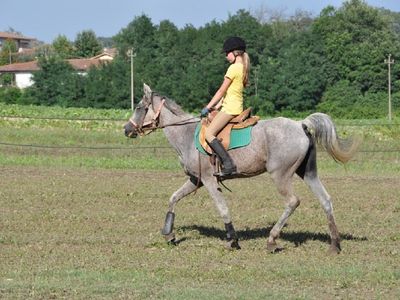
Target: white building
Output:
{"points": [[23, 72]]}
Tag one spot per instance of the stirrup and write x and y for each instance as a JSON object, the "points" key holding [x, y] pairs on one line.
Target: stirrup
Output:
{"points": [[226, 173]]}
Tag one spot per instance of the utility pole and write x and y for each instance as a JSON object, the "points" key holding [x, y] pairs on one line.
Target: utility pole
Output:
{"points": [[131, 54], [389, 62]]}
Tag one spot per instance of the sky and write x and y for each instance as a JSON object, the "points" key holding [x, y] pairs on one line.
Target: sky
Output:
{"points": [[46, 19]]}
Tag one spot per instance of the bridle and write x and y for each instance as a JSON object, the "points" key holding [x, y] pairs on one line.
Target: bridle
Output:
{"points": [[149, 126], [153, 124]]}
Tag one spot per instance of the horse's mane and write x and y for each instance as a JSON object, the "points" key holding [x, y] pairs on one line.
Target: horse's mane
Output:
{"points": [[173, 106]]}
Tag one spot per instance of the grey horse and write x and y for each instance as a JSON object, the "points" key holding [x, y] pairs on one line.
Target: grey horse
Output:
{"points": [[279, 146]]}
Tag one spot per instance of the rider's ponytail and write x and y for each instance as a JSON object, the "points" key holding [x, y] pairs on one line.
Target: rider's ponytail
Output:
{"points": [[246, 69], [246, 65]]}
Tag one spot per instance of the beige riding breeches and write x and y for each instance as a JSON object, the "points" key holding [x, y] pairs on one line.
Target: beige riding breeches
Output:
{"points": [[217, 124]]}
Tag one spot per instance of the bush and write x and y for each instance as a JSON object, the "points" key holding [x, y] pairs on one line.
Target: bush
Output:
{"points": [[260, 106], [6, 79], [339, 99], [369, 106], [10, 95], [345, 101]]}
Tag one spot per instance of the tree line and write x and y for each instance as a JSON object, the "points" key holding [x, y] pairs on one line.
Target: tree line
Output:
{"points": [[332, 63]]}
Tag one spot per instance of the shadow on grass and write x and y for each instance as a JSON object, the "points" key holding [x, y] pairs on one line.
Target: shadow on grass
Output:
{"points": [[296, 237]]}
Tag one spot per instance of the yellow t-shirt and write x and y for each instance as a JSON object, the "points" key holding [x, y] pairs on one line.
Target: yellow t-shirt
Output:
{"points": [[233, 100]]}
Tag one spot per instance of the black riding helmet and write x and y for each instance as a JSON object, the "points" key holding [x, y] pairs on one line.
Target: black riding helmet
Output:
{"points": [[234, 43]]}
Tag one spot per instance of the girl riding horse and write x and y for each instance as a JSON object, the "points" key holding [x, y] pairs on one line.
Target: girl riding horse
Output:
{"points": [[230, 97]]}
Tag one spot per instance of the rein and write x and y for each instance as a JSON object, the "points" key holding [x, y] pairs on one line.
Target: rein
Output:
{"points": [[183, 122]]}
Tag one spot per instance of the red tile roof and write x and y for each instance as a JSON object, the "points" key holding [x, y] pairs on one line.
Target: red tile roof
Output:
{"points": [[79, 64], [20, 67], [9, 35], [83, 64]]}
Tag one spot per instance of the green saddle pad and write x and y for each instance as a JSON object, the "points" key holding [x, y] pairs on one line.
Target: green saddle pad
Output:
{"points": [[239, 138]]}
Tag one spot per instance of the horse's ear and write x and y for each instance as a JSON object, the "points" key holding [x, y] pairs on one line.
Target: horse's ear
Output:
{"points": [[147, 91]]}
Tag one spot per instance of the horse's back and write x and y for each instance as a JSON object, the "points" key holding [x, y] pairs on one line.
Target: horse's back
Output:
{"points": [[283, 140], [278, 130]]}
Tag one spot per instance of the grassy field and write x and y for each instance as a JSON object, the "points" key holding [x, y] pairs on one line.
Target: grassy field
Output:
{"points": [[82, 208]]}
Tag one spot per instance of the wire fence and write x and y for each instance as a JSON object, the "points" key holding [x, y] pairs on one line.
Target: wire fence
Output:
{"points": [[159, 147], [63, 118], [137, 148], [342, 123], [84, 147]]}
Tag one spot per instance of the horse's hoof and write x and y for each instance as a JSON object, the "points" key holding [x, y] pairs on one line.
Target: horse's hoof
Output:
{"points": [[334, 250], [232, 245], [273, 247], [170, 239]]}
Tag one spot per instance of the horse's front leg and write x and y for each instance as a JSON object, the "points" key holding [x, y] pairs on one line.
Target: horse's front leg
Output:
{"points": [[188, 187], [216, 194]]}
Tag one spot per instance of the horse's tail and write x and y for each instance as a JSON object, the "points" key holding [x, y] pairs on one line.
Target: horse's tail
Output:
{"points": [[323, 130]]}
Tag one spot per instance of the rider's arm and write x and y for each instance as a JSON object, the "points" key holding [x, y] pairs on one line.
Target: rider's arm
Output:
{"points": [[219, 104], [220, 93]]}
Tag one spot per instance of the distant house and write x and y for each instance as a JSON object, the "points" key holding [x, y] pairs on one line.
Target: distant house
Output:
{"points": [[22, 42], [23, 71]]}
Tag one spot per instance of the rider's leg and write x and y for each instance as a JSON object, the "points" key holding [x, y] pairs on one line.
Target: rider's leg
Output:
{"points": [[217, 124]]}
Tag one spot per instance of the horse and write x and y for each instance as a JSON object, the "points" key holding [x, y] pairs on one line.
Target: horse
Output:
{"points": [[280, 146]]}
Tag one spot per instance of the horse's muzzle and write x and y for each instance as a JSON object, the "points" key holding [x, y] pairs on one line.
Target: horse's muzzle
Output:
{"points": [[130, 131]]}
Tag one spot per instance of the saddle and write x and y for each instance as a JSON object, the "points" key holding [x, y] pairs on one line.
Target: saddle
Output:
{"points": [[239, 122]]}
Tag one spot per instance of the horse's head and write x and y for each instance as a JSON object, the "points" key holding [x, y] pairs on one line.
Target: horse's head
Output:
{"points": [[145, 116]]}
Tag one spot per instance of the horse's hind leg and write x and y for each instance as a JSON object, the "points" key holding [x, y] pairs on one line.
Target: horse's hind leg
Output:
{"points": [[188, 187], [292, 202], [319, 190], [308, 171]]}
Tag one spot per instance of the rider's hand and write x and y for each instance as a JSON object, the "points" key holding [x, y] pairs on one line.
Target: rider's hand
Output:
{"points": [[204, 112]]}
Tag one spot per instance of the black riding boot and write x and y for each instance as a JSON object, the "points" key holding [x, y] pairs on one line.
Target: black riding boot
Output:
{"points": [[228, 167]]}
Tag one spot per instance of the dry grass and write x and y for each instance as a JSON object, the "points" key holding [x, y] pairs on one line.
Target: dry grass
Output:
{"points": [[79, 233]]}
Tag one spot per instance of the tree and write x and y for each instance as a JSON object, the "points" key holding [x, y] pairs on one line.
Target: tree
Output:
{"points": [[343, 101], [56, 83], [339, 99], [86, 44], [296, 79], [139, 36], [106, 42], [63, 47], [357, 38], [108, 86], [333, 63], [9, 48], [166, 58]]}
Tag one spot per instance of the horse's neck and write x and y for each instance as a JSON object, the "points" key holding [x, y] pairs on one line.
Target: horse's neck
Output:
{"points": [[169, 118], [177, 135]]}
